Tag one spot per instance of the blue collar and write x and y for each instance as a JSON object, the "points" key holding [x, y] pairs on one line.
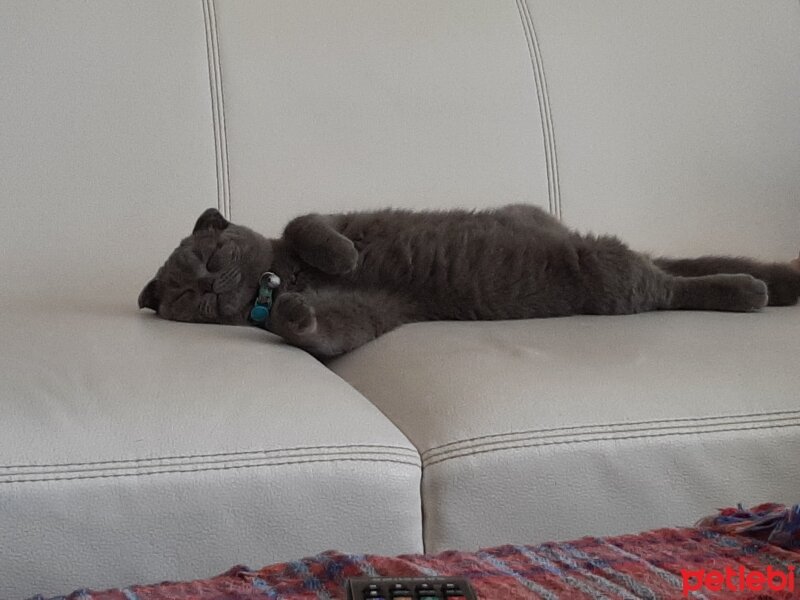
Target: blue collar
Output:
{"points": [[259, 314]]}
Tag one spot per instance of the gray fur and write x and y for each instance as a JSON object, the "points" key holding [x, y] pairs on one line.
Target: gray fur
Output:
{"points": [[348, 278]]}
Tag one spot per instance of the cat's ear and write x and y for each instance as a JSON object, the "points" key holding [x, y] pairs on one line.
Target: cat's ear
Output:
{"points": [[150, 296], [210, 219]]}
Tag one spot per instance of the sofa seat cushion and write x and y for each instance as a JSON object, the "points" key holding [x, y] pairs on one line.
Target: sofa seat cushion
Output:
{"points": [[136, 449], [556, 428]]}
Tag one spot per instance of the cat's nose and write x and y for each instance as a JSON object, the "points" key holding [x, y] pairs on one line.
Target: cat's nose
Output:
{"points": [[206, 284]]}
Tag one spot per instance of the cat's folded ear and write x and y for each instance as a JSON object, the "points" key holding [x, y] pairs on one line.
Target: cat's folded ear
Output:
{"points": [[150, 296], [210, 219]]}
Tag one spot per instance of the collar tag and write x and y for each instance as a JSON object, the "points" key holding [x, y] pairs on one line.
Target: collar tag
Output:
{"points": [[262, 307]]}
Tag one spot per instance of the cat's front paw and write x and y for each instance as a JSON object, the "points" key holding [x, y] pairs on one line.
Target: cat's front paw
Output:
{"points": [[338, 256], [346, 259], [293, 316]]}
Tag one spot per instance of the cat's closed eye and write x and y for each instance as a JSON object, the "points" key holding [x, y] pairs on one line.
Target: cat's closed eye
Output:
{"points": [[184, 297], [222, 256]]}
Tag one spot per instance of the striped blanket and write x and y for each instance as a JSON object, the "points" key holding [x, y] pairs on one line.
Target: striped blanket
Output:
{"points": [[721, 558]]}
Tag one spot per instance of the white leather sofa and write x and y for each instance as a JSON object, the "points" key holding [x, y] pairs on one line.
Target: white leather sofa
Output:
{"points": [[134, 450]]}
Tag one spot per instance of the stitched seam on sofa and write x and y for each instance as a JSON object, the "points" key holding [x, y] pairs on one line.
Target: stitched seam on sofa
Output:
{"points": [[217, 108], [603, 427], [510, 438], [430, 463], [241, 455], [157, 465], [502, 443], [11, 479], [550, 156]]}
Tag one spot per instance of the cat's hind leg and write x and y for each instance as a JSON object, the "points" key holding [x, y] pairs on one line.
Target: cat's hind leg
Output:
{"points": [[724, 292], [620, 281], [782, 279], [331, 321]]}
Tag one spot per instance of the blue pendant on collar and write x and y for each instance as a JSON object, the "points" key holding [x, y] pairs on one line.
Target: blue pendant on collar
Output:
{"points": [[259, 314]]}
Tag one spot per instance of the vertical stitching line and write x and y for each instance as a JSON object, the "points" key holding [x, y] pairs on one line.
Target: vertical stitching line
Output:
{"points": [[525, 27], [212, 85], [221, 102], [553, 181], [217, 109], [546, 94]]}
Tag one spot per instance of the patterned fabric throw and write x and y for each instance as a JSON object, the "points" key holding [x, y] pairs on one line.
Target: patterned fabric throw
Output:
{"points": [[725, 556], [775, 523]]}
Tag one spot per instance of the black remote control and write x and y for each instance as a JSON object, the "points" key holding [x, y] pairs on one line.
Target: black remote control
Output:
{"points": [[409, 588]]}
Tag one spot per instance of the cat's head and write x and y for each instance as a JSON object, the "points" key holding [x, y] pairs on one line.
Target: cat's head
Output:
{"points": [[212, 276]]}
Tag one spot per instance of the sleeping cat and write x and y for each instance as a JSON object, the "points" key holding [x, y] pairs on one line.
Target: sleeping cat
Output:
{"points": [[345, 279]]}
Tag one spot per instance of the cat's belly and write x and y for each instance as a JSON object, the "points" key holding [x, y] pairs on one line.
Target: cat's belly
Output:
{"points": [[476, 274]]}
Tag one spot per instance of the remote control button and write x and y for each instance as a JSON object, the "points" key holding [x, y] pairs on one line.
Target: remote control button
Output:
{"points": [[425, 590], [373, 595], [451, 590], [398, 590]]}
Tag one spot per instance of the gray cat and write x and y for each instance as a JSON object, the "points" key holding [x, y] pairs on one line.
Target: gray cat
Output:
{"points": [[345, 279]]}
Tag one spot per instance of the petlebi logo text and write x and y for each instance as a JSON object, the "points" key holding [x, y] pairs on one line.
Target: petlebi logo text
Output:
{"points": [[738, 580]]}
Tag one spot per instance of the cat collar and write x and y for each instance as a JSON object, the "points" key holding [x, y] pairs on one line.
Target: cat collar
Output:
{"points": [[259, 314]]}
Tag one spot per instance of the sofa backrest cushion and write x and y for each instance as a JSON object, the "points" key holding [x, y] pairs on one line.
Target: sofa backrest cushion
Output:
{"points": [[673, 125], [106, 146]]}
